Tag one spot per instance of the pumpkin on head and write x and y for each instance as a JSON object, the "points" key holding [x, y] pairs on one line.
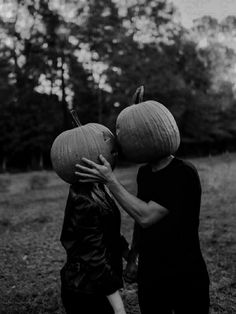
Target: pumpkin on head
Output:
{"points": [[88, 141], [146, 131]]}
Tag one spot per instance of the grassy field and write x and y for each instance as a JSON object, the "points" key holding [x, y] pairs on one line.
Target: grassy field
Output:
{"points": [[31, 214]]}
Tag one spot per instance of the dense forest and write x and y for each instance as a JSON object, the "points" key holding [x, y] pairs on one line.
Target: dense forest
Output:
{"points": [[92, 55]]}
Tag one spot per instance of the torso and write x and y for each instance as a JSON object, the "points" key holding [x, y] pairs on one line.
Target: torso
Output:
{"points": [[171, 246], [97, 203]]}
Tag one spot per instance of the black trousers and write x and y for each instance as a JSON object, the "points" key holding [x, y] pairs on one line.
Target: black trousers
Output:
{"points": [[81, 303], [168, 296]]}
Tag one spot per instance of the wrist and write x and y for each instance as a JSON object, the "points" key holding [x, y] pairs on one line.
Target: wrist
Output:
{"points": [[119, 310], [112, 182], [132, 256]]}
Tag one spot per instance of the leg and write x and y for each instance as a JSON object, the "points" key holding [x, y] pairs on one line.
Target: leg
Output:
{"points": [[154, 299], [80, 303], [193, 298]]}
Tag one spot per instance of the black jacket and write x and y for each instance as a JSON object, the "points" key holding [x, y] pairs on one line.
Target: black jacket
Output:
{"points": [[92, 240]]}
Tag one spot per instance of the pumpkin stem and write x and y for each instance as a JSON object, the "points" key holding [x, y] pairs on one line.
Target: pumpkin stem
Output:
{"points": [[138, 95], [75, 117]]}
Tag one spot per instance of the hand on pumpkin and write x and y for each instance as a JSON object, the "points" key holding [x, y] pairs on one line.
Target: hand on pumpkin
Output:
{"points": [[95, 172]]}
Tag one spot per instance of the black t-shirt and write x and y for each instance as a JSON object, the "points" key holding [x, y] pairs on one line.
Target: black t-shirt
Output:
{"points": [[171, 246]]}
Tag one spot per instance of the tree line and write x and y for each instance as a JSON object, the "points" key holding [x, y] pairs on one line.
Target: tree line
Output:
{"points": [[91, 56]]}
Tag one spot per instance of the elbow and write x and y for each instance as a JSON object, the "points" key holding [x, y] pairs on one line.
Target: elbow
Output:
{"points": [[144, 222], [149, 215], [153, 214]]}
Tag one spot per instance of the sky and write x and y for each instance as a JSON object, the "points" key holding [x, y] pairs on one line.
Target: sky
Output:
{"points": [[192, 9]]}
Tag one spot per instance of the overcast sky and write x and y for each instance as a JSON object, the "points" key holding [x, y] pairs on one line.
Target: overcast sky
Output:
{"points": [[192, 9]]}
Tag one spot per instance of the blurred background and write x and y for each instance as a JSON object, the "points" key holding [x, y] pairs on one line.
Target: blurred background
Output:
{"points": [[92, 55]]}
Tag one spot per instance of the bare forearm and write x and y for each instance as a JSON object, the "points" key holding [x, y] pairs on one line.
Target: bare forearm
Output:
{"points": [[116, 303], [135, 207], [143, 213]]}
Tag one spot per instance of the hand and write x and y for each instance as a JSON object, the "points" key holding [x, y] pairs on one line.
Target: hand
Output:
{"points": [[120, 311], [95, 173], [130, 273], [116, 302]]}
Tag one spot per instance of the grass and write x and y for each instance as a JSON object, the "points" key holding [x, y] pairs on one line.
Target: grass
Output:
{"points": [[31, 214]]}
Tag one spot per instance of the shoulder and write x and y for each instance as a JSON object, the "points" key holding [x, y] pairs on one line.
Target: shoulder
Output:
{"points": [[187, 171], [186, 166], [79, 193], [81, 201]]}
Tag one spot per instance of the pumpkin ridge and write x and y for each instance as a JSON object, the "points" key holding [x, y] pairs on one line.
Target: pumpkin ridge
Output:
{"points": [[174, 126], [164, 117], [135, 139], [64, 148], [142, 113], [163, 132], [155, 122], [166, 137], [97, 150]]}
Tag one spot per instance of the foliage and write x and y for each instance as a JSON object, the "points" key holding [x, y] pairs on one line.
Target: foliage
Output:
{"points": [[92, 55]]}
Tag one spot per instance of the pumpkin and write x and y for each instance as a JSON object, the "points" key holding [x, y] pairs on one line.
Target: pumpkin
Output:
{"points": [[146, 131], [88, 141]]}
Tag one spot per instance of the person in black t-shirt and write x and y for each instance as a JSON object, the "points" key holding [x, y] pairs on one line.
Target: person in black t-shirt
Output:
{"points": [[171, 266], [172, 275]]}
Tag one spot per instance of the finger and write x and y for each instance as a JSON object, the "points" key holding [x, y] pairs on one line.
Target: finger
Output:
{"points": [[89, 178], [104, 161], [90, 163], [90, 181], [86, 175], [86, 169]]}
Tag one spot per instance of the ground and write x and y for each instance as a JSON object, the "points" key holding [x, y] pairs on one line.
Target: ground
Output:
{"points": [[31, 213]]}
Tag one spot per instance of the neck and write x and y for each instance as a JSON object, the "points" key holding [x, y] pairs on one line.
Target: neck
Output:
{"points": [[161, 163]]}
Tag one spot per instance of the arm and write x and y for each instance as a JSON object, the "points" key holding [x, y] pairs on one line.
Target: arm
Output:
{"points": [[145, 214], [130, 274], [116, 303]]}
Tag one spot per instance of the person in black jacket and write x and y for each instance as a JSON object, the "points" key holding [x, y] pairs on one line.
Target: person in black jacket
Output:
{"points": [[92, 275], [172, 275]]}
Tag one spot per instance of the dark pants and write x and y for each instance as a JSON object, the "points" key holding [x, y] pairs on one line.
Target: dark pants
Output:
{"points": [[167, 296], [80, 303]]}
